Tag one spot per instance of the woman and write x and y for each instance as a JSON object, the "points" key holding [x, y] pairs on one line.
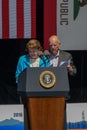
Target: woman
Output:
{"points": [[31, 59]]}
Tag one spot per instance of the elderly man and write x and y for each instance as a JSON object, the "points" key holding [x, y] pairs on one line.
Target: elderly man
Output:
{"points": [[59, 57]]}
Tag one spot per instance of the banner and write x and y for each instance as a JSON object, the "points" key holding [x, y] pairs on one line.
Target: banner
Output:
{"points": [[72, 24], [17, 19], [11, 117], [76, 116]]}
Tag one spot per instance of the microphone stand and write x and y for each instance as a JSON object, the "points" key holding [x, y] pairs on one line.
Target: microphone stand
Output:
{"points": [[41, 55]]}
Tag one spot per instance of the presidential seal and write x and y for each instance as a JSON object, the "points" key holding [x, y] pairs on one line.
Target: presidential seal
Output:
{"points": [[47, 79]]}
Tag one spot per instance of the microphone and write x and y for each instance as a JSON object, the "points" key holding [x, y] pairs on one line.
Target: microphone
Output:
{"points": [[41, 54], [47, 54]]}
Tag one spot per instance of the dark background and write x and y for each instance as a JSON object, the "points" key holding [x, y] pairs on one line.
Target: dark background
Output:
{"points": [[12, 49]]}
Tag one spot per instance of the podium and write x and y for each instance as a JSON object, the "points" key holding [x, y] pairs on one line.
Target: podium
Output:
{"points": [[45, 106]]}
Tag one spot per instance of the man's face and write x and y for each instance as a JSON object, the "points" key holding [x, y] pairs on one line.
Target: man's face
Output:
{"points": [[54, 46]]}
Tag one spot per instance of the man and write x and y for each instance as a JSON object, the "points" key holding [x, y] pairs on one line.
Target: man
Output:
{"points": [[60, 58]]}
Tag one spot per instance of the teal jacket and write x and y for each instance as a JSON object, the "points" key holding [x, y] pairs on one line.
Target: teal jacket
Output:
{"points": [[24, 62]]}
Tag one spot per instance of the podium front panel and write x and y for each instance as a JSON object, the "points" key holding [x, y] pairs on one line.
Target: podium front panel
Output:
{"points": [[29, 83]]}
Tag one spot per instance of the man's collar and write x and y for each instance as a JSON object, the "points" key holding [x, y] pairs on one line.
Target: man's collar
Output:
{"points": [[57, 55]]}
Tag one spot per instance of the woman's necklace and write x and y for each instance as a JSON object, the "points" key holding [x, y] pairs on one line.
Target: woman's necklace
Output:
{"points": [[34, 62]]}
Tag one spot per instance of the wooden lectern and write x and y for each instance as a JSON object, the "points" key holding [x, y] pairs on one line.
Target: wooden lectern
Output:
{"points": [[46, 106]]}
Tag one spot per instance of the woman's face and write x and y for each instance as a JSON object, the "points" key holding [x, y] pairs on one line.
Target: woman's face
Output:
{"points": [[33, 53]]}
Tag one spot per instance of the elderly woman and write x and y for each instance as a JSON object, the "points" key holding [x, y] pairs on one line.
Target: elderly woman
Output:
{"points": [[31, 59]]}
